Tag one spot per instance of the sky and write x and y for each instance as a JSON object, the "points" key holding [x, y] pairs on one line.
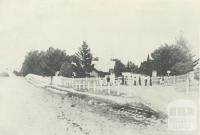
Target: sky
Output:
{"points": [[124, 29]]}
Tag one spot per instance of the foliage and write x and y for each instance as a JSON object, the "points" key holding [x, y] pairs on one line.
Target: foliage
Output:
{"points": [[33, 63], [177, 58], [146, 67], [48, 62], [77, 67], [183, 57], [66, 69], [119, 67], [163, 59], [84, 58], [53, 60], [131, 67], [44, 63]]}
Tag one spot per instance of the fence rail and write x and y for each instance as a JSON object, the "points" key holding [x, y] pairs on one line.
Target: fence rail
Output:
{"points": [[101, 85]]}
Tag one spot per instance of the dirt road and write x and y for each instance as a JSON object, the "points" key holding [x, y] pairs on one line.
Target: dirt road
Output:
{"points": [[29, 110]]}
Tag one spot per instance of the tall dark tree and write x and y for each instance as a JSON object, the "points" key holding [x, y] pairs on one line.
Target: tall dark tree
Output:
{"points": [[146, 67], [44, 63], [131, 67], [33, 63], [176, 58], [162, 59], [66, 69], [53, 60], [119, 67], [77, 67], [85, 58], [183, 56]]}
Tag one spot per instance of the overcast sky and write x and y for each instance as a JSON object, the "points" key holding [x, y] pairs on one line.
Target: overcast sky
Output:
{"points": [[124, 29]]}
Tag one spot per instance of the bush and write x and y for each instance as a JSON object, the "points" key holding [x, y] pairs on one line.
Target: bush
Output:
{"points": [[66, 69]]}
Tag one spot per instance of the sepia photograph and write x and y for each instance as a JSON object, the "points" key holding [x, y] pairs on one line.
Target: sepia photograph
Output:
{"points": [[99, 67]]}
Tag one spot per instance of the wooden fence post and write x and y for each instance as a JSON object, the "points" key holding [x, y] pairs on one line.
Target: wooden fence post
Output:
{"points": [[187, 86], [118, 84], [109, 88], [88, 85], [101, 86], [94, 87], [79, 85]]}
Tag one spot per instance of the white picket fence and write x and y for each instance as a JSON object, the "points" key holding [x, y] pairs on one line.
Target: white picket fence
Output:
{"points": [[87, 84], [101, 86]]}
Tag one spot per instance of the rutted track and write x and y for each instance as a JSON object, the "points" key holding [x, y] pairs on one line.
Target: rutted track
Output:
{"points": [[134, 113], [137, 113]]}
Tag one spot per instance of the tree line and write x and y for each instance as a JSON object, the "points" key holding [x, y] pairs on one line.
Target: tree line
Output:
{"points": [[176, 57], [47, 63]]}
